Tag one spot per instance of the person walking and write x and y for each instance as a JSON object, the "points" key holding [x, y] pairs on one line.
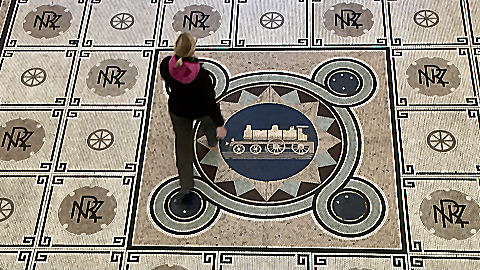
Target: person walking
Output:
{"points": [[191, 97]]}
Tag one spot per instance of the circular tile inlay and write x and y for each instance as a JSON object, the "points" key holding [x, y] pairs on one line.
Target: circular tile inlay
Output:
{"points": [[433, 76], [122, 21], [6, 209], [348, 20], [20, 139], [100, 139], [426, 18], [33, 77], [47, 21], [183, 210], [112, 77], [450, 214], [441, 140], [200, 20], [266, 148], [350, 206], [87, 210], [344, 82], [272, 20]]}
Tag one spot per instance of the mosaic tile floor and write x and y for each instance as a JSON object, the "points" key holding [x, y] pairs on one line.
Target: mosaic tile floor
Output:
{"points": [[354, 133]]}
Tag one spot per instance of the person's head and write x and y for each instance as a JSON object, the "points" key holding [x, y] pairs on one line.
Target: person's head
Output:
{"points": [[184, 47]]}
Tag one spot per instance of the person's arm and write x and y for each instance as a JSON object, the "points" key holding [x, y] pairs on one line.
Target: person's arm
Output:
{"points": [[213, 107], [164, 68]]}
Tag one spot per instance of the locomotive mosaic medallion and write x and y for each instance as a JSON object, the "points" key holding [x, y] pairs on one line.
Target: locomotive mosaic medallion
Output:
{"points": [[292, 147]]}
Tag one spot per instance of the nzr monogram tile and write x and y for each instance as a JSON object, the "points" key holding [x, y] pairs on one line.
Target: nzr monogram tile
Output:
{"points": [[210, 22], [42, 24]]}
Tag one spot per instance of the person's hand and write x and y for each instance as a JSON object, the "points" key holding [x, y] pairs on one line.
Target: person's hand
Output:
{"points": [[221, 132]]}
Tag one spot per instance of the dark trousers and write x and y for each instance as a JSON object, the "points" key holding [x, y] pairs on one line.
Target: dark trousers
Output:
{"points": [[183, 128]]}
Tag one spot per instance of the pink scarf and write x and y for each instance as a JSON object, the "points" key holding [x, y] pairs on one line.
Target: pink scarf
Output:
{"points": [[185, 73]]}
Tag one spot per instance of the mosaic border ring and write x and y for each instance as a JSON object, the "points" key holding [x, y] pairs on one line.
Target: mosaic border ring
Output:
{"points": [[367, 83], [163, 218], [220, 75], [370, 222]]}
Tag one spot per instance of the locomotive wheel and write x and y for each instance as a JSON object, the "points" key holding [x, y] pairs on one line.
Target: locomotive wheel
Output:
{"points": [[300, 148], [238, 149], [276, 147], [255, 149]]}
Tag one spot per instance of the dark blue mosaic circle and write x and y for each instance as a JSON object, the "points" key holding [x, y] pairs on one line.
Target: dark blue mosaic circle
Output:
{"points": [[185, 209], [269, 142], [344, 82], [350, 206]]}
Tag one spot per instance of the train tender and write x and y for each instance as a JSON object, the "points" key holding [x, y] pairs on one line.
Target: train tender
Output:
{"points": [[274, 141]]}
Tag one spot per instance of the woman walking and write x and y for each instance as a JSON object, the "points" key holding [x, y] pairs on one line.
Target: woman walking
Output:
{"points": [[192, 97]]}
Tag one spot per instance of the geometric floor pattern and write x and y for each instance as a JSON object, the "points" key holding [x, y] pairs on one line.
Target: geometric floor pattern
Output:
{"points": [[353, 135]]}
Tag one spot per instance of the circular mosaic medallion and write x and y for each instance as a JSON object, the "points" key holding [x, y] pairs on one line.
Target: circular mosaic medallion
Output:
{"points": [[33, 77], [450, 214], [281, 144], [426, 18], [112, 77], [261, 147], [6, 209], [348, 20], [100, 139], [272, 20], [122, 21], [200, 20], [47, 21], [433, 76], [21, 138], [87, 210], [344, 82], [350, 206], [184, 207], [441, 140]]}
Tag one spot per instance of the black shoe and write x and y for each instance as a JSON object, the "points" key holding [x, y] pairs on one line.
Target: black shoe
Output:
{"points": [[187, 198]]}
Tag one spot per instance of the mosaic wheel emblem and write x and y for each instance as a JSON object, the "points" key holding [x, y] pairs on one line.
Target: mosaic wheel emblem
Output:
{"points": [[441, 140], [433, 76], [33, 77], [20, 139], [200, 20], [100, 139], [426, 18], [6, 209], [450, 214], [348, 20], [272, 20], [273, 146], [122, 21], [112, 77], [47, 21], [87, 210], [167, 267]]}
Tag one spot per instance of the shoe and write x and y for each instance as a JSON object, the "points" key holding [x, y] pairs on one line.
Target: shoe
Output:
{"points": [[187, 198]]}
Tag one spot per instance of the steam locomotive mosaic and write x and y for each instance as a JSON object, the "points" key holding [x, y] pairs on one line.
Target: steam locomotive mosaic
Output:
{"points": [[273, 143]]}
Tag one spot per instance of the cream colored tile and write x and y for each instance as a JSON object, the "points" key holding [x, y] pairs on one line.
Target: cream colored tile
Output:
{"points": [[14, 259], [72, 33], [435, 92], [155, 259], [362, 22], [121, 127], [126, 80], [358, 262], [105, 234], [136, 27], [20, 213], [77, 260], [449, 25], [35, 77], [462, 157]]}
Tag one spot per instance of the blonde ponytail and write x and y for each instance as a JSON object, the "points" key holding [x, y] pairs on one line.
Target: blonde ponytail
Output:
{"points": [[179, 62], [184, 47]]}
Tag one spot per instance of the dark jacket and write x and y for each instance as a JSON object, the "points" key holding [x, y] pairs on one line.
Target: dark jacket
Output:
{"points": [[192, 100]]}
